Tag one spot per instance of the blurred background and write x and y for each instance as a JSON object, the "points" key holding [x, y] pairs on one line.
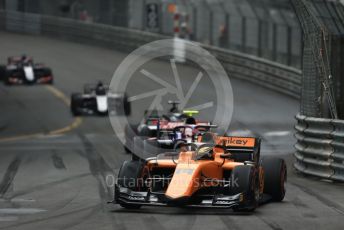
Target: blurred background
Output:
{"points": [[267, 28]]}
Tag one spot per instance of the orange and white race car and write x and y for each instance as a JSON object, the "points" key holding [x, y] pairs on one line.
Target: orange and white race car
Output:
{"points": [[215, 171]]}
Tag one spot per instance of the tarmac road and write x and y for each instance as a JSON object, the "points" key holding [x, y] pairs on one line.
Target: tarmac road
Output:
{"points": [[57, 180]]}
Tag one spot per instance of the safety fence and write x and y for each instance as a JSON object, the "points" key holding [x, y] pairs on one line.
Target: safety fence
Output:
{"points": [[268, 29], [260, 71], [320, 147]]}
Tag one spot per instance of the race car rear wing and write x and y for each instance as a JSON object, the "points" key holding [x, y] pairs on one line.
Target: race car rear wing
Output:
{"points": [[241, 148], [236, 142]]}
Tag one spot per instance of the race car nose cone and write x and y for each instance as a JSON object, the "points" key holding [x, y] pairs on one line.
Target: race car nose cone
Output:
{"points": [[175, 202]]}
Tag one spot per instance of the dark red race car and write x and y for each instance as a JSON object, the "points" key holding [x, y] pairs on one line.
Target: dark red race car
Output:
{"points": [[23, 70]]}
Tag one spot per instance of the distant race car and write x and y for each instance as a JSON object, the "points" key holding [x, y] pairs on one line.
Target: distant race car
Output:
{"points": [[163, 126], [214, 172], [23, 70], [97, 99], [168, 137]]}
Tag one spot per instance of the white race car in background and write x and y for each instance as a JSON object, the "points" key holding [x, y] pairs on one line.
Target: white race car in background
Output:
{"points": [[98, 100]]}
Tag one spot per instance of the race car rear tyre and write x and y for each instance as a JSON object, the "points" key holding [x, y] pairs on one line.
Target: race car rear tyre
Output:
{"points": [[2, 72], [275, 176], [243, 181], [75, 103]]}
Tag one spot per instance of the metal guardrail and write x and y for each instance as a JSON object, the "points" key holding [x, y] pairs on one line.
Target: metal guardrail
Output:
{"points": [[278, 77], [320, 147]]}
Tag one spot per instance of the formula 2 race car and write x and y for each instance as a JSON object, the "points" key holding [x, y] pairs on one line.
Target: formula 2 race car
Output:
{"points": [[97, 100], [23, 70], [168, 137], [227, 173], [162, 126]]}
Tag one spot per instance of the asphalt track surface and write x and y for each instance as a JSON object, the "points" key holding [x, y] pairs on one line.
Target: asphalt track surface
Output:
{"points": [[53, 167]]}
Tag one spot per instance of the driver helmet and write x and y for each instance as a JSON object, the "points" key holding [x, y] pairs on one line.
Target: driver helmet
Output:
{"points": [[190, 121], [100, 89], [100, 84], [24, 59], [205, 150]]}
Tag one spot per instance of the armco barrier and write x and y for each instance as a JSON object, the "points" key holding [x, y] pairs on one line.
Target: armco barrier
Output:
{"points": [[262, 72], [320, 147]]}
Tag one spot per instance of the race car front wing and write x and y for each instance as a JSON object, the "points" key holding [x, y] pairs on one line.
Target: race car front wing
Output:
{"points": [[127, 196]]}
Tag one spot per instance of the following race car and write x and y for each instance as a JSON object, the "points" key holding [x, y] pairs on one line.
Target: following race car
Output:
{"points": [[23, 70], [217, 172], [162, 126], [169, 137], [98, 100]]}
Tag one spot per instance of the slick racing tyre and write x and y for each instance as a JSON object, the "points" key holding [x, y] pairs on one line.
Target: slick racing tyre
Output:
{"points": [[2, 72], [131, 175], [75, 104], [275, 176], [243, 181]]}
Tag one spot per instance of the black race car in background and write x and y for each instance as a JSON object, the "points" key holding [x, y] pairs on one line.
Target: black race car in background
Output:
{"points": [[98, 100], [167, 128], [154, 120], [23, 70]]}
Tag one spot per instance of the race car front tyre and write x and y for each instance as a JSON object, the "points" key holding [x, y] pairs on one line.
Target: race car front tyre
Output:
{"points": [[131, 175], [243, 181], [75, 104], [275, 176], [2, 72]]}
